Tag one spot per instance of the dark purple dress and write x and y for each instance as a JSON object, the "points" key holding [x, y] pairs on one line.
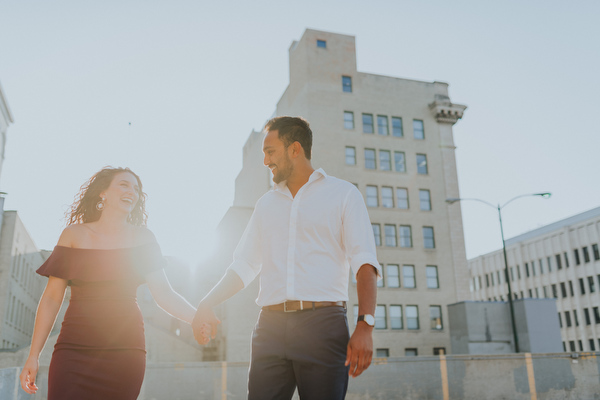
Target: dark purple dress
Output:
{"points": [[100, 352]]}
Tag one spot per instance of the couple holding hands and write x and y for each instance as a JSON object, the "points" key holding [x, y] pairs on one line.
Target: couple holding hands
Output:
{"points": [[302, 239]]}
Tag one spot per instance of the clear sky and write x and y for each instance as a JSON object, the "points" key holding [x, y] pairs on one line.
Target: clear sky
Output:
{"points": [[172, 89]]}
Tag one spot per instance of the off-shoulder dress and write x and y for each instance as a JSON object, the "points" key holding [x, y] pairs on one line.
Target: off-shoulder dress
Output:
{"points": [[100, 352]]}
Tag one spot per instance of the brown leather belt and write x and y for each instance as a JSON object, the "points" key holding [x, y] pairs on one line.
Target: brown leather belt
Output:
{"points": [[298, 305]]}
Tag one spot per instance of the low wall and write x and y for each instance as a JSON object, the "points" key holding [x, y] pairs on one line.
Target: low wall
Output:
{"points": [[556, 376]]}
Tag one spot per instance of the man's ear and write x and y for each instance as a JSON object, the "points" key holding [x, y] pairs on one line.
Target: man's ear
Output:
{"points": [[296, 149]]}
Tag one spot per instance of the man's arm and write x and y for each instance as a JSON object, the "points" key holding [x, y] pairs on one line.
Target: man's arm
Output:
{"points": [[229, 285], [360, 346]]}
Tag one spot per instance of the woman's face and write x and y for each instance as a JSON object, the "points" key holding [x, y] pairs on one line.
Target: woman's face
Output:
{"points": [[122, 193]]}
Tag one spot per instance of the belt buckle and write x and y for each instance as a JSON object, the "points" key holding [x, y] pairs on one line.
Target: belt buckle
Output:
{"points": [[288, 311]]}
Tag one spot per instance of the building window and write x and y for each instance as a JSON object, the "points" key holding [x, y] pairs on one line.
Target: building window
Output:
{"points": [[559, 320], [541, 266], [408, 276], [566, 260], [370, 162], [526, 270], [397, 127], [396, 317], [422, 164], [393, 275], [321, 43], [554, 292], [575, 318], [382, 125], [411, 352], [572, 345], [348, 120], [412, 317], [586, 314], [581, 286], [596, 315], [596, 252], [382, 353], [405, 236], [350, 156], [586, 255], [571, 288], [418, 129], [576, 254], [592, 345], [591, 284], [367, 123], [563, 289], [558, 261], [372, 196], [568, 319], [549, 261], [385, 162], [432, 277], [399, 161], [347, 84], [390, 235], [435, 317], [438, 351], [425, 199], [533, 268], [377, 234], [428, 239], [380, 317], [387, 197], [402, 198]]}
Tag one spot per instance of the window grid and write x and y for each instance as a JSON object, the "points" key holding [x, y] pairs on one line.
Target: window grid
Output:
{"points": [[370, 161], [382, 125], [412, 317], [399, 161], [377, 234], [425, 200], [393, 275], [408, 276], [385, 160], [350, 156], [405, 236], [428, 239], [435, 316], [367, 120], [432, 277], [396, 317], [422, 164], [348, 120], [347, 84], [418, 129], [402, 198], [397, 127], [387, 197], [390, 235]]}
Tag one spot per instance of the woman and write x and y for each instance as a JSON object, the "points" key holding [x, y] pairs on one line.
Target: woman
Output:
{"points": [[104, 254]]}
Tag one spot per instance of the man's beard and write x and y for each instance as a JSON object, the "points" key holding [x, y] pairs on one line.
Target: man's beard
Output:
{"points": [[283, 172]]}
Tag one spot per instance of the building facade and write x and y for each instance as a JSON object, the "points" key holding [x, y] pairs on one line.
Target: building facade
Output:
{"points": [[392, 138], [561, 261], [20, 286]]}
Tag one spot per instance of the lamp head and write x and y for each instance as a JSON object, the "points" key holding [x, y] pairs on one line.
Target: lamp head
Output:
{"points": [[452, 200], [545, 195]]}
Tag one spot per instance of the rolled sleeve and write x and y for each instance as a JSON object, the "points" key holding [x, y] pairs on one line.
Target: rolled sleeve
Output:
{"points": [[358, 238], [247, 258]]}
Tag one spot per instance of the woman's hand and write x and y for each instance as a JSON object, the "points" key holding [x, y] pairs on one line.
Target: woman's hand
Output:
{"points": [[28, 375]]}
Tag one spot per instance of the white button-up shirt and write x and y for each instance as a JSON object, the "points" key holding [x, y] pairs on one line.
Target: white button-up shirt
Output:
{"points": [[304, 246]]}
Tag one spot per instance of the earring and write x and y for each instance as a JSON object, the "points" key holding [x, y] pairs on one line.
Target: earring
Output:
{"points": [[100, 205]]}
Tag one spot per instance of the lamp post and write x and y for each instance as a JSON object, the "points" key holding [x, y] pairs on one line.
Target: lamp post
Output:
{"points": [[506, 274]]}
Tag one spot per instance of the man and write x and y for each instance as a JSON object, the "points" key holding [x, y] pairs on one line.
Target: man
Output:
{"points": [[302, 239]]}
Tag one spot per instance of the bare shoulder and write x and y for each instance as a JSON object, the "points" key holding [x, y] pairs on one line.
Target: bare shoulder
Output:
{"points": [[143, 236], [72, 235]]}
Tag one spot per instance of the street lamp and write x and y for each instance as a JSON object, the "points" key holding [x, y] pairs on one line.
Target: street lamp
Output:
{"points": [[506, 275]]}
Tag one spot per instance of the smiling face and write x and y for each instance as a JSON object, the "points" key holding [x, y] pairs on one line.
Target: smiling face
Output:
{"points": [[123, 193], [277, 158]]}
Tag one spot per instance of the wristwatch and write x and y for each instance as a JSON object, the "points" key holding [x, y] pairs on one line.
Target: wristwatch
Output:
{"points": [[368, 318]]}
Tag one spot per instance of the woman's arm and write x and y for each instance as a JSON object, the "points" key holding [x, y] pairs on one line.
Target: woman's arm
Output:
{"points": [[167, 299], [45, 317]]}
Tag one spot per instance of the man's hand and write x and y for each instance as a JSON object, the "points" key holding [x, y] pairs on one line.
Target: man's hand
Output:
{"points": [[360, 349], [205, 324]]}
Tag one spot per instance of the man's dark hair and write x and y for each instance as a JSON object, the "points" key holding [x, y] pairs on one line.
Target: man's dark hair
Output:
{"points": [[292, 129]]}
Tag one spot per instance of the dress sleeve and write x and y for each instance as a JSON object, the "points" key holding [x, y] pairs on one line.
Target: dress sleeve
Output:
{"points": [[58, 264], [148, 258]]}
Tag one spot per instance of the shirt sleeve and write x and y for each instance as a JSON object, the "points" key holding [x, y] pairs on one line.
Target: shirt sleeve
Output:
{"points": [[358, 238], [247, 257]]}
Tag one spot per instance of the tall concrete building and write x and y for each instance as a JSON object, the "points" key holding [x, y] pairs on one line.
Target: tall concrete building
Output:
{"points": [[560, 260], [6, 119], [392, 138]]}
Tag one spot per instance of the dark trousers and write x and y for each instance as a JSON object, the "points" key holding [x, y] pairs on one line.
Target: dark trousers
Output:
{"points": [[306, 349]]}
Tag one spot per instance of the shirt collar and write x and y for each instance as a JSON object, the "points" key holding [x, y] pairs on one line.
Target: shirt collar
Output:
{"points": [[282, 186]]}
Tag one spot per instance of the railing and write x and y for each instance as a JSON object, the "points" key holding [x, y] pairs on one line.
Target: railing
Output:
{"points": [[466, 377]]}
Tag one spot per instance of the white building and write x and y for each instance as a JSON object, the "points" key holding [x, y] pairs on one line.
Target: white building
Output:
{"points": [[560, 260], [392, 138]]}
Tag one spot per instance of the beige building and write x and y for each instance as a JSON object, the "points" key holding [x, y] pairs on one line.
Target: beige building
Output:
{"points": [[20, 286], [392, 138], [560, 260]]}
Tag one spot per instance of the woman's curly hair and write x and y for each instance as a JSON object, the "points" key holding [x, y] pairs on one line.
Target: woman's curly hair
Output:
{"points": [[84, 209]]}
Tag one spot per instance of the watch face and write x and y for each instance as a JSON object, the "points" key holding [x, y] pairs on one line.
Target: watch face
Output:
{"points": [[369, 319]]}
